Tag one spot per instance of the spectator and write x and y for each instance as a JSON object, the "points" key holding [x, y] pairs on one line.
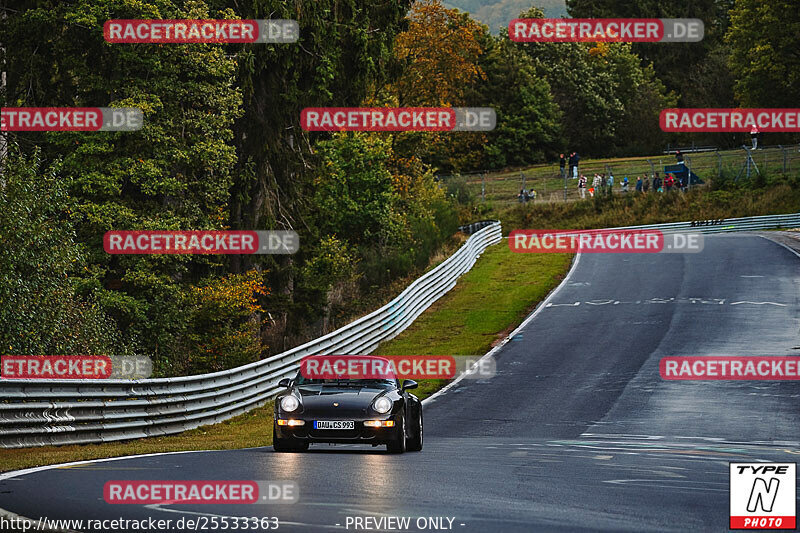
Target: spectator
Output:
{"points": [[754, 136], [574, 159], [582, 186], [646, 185], [657, 184], [521, 196], [562, 163], [603, 182], [610, 183], [679, 157], [669, 181], [596, 182], [639, 184], [591, 192], [625, 184]]}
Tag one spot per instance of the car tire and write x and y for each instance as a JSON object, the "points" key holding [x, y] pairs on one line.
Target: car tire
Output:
{"points": [[398, 445], [415, 442]]}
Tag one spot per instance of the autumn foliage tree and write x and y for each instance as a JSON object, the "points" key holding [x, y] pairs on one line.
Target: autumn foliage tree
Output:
{"points": [[439, 52]]}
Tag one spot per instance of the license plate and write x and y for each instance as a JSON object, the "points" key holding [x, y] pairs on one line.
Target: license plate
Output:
{"points": [[334, 424]]}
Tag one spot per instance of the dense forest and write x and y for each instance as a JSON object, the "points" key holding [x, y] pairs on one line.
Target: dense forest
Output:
{"points": [[222, 148]]}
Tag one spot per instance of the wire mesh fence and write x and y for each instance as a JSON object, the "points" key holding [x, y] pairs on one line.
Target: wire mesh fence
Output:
{"points": [[546, 183]]}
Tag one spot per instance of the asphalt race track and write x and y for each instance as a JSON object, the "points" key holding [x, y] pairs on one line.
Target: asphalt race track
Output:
{"points": [[576, 432]]}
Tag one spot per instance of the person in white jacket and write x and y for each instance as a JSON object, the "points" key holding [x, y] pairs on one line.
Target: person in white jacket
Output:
{"points": [[754, 136]]}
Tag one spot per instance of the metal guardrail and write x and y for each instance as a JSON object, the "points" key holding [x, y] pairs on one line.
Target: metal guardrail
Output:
{"points": [[469, 229], [723, 225], [56, 412]]}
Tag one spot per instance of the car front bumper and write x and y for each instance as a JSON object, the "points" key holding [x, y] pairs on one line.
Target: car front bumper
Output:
{"points": [[360, 434]]}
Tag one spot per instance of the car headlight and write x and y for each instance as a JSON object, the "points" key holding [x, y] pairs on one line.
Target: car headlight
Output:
{"points": [[289, 403], [382, 405]]}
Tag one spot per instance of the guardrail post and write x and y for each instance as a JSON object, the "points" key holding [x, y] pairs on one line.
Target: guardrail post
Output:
{"points": [[784, 152], [689, 174]]}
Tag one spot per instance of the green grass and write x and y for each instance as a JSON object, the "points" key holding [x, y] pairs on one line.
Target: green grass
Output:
{"points": [[492, 298], [488, 302]]}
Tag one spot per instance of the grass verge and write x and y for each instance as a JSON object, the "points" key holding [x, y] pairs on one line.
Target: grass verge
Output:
{"points": [[489, 300], [635, 209]]}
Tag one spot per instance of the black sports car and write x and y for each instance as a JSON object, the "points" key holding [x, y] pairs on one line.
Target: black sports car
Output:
{"points": [[351, 411]]}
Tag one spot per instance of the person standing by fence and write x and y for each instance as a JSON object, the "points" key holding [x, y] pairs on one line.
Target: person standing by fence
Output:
{"points": [[657, 184], [754, 136], [574, 158], [582, 186], [639, 184]]}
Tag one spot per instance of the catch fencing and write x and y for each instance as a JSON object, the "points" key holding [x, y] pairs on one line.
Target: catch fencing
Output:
{"points": [[503, 187]]}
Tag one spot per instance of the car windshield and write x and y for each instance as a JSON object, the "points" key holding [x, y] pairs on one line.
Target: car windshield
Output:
{"points": [[380, 383]]}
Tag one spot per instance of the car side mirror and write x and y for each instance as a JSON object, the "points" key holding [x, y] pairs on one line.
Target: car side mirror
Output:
{"points": [[410, 384], [285, 382]]}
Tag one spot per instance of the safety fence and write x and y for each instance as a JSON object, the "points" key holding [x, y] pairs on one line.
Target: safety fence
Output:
{"points": [[55, 412]]}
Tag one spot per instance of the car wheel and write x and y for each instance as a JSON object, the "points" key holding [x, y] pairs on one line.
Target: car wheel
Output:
{"points": [[398, 445], [287, 445], [415, 442]]}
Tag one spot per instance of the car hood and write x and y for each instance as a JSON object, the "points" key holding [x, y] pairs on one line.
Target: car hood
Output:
{"points": [[351, 400]]}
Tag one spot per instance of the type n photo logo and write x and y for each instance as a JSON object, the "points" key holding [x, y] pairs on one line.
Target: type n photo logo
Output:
{"points": [[763, 495]]}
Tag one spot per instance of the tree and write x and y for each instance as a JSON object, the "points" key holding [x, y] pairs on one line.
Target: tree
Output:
{"points": [[42, 313], [439, 53], [672, 62], [528, 120], [173, 174], [607, 98], [764, 55]]}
